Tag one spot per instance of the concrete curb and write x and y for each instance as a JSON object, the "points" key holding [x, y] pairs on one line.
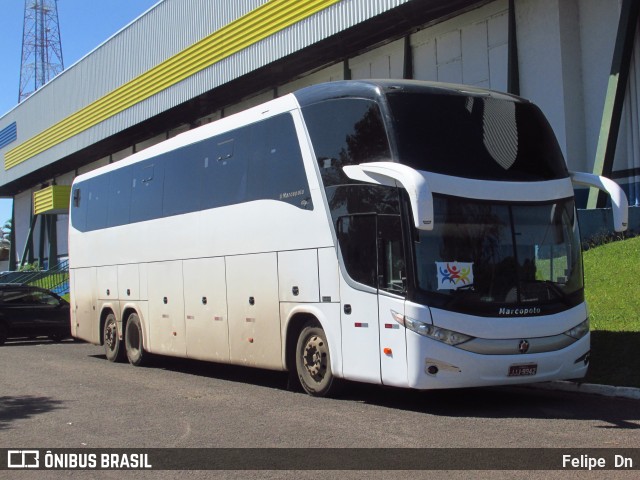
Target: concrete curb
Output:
{"points": [[591, 388]]}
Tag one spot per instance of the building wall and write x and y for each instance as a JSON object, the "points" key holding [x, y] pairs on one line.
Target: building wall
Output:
{"points": [[470, 49], [547, 59], [598, 24], [627, 157], [329, 74], [22, 207]]}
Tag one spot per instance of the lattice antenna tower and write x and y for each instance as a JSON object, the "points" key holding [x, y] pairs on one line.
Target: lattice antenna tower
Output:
{"points": [[41, 46]]}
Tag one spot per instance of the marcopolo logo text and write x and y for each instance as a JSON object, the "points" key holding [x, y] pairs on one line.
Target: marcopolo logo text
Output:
{"points": [[519, 311]]}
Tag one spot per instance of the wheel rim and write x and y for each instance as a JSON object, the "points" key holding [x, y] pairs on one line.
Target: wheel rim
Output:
{"points": [[110, 335], [314, 357]]}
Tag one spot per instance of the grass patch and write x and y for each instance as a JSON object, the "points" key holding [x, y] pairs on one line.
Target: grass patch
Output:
{"points": [[612, 289]]}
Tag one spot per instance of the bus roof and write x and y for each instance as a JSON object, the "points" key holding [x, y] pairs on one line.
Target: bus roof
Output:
{"points": [[374, 89]]}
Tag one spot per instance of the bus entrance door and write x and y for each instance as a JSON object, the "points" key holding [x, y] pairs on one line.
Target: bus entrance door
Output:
{"points": [[374, 343], [359, 296]]}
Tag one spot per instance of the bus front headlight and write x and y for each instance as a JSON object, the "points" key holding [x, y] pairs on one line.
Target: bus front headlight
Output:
{"points": [[431, 331], [579, 331]]}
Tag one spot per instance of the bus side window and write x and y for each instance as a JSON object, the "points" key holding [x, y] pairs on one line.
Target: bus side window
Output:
{"points": [[276, 167], [224, 150], [119, 201], [146, 196], [78, 210], [97, 203], [184, 171], [225, 169], [343, 132]]}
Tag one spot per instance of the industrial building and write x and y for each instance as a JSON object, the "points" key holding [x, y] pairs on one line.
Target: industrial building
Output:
{"points": [[185, 63]]}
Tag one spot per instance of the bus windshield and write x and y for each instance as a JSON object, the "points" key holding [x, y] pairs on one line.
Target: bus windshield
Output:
{"points": [[476, 137], [495, 258]]}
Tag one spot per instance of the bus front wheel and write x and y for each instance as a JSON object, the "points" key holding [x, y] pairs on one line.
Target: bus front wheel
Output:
{"points": [[133, 341], [313, 363]]}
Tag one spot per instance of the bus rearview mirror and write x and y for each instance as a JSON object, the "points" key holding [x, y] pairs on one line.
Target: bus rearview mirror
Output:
{"points": [[397, 175], [619, 203]]}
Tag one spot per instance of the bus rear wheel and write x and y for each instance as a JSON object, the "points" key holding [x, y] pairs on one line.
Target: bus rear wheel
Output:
{"points": [[313, 361], [112, 345], [133, 341]]}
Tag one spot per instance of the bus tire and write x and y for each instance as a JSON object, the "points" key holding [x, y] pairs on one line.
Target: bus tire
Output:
{"points": [[313, 362], [113, 349], [3, 333], [133, 341]]}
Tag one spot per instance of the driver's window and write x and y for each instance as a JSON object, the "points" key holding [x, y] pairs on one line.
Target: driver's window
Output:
{"points": [[372, 251], [357, 239]]}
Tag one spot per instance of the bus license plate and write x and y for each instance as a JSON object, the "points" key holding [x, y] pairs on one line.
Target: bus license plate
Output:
{"points": [[523, 370]]}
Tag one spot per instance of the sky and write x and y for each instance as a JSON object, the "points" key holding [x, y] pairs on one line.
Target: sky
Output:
{"points": [[84, 24]]}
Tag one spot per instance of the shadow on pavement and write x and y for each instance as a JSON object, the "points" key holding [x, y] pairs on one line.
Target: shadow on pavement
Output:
{"points": [[18, 408], [614, 358]]}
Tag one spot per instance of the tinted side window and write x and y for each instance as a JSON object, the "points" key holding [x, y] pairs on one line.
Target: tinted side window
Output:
{"points": [[276, 167], [184, 170], [255, 162], [146, 195], [78, 208], [372, 250], [367, 198], [119, 200], [225, 170], [345, 132], [369, 231], [97, 205]]}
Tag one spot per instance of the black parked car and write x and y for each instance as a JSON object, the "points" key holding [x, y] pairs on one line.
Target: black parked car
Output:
{"points": [[27, 311]]}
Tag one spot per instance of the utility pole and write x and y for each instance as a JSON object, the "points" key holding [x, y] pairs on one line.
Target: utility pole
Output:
{"points": [[41, 46]]}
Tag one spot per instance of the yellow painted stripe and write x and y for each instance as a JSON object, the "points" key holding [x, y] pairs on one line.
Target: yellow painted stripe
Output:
{"points": [[53, 198], [249, 29]]}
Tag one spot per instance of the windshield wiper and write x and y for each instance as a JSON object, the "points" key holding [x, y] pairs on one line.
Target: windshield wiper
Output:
{"points": [[466, 291], [551, 286]]}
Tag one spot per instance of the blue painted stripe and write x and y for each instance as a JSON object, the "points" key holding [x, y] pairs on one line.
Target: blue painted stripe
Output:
{"points": [[8, 134]]}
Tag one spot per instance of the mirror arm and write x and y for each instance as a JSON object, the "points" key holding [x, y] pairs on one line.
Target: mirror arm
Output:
{"points": [[397, 175], [619, 203]]}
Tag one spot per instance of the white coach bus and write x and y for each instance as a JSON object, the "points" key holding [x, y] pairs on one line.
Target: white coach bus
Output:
{"points": [[400, 233]]}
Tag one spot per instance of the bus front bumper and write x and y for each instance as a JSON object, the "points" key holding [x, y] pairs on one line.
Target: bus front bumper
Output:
{"points": [[432, 365]]}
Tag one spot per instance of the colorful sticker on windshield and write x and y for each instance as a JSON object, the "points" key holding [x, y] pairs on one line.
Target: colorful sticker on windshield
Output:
{"points": [[454, 275]]}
